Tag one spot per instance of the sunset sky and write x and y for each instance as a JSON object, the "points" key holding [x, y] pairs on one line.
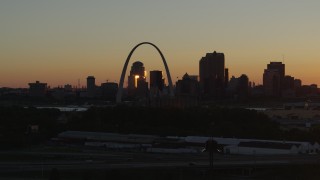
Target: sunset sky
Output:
{"points": [[61, 41]]}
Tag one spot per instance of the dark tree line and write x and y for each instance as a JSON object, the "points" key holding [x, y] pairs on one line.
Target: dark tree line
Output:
{"points": [[21, 126], [173, 121], [16, 123]]}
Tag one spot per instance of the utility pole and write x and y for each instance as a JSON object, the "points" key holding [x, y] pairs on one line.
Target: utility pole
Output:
{"points": [[211, 147]]}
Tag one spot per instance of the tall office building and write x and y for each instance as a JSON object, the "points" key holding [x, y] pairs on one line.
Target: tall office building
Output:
{"points": [[212, 75], [91, 86], [273, 79], [156, 80], [271, 82], [297, 83], [278, 66], [137, 73], [288, 82], [91, 82], [226, 77], [137, 84], [243, 86], [288, 87]]}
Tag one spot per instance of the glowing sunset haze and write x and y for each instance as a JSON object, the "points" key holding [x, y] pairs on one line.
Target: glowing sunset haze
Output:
{"points": [[59, 42]]}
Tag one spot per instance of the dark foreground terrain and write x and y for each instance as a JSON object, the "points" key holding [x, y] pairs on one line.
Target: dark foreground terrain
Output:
{"points": [[71, 164]]}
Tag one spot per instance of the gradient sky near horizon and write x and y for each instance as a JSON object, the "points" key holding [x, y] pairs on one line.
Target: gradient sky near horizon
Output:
{"points": [[61, 41]]}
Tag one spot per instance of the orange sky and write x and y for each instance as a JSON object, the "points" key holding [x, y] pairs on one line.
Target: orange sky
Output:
{"points": [[59, 42]]}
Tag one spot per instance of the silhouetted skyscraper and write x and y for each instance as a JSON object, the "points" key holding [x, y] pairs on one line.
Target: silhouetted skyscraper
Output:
{"points": [[91, 82], [278, 66], [156, 80], [243, 88], [297, 83], [137, 73], [271, 82], [226, 77], [273, 79], [212, 74], [137, 84], [288, 82], [288, 87], [91, 86]]}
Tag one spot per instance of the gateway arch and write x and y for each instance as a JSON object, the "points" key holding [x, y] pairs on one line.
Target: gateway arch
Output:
{"points": [[119, 94]]}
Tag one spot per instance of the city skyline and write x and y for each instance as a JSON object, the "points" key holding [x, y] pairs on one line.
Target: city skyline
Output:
{"points": [[60, 42]]}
